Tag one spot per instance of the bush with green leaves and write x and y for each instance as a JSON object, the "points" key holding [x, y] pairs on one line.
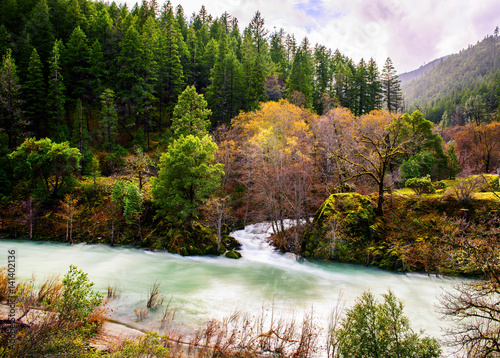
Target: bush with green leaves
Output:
{"points": [[374, 329], [78, 299], [421, 185]]}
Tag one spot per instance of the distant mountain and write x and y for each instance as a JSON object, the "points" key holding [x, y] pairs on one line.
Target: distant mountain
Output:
{"points": [[446, 83], [408, 76]]}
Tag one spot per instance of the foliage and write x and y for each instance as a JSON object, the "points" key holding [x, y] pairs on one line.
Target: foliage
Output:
{"points": [[421, 185], [78, 299], [151, 345], [52, 164], [373, 329], [187, 177], [190, 114]]}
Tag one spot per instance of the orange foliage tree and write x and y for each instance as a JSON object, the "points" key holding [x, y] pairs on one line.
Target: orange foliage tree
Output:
{"points": [[375, 141], [276, 148], [478, 146]]}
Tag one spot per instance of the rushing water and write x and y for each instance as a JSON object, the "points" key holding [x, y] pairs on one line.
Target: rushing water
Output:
{"points": [[215, 287]]}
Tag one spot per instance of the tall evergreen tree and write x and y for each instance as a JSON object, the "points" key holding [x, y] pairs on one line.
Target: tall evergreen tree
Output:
{"points": [[301, 75], [34, 93], [171, 75], [11, 119], [258, 31], [323, 76], [4, 40], [374, 86], [391, 87], [56, 98], [109, 118], [225, 91], [361, 105], [76, 63], [40, 30]]}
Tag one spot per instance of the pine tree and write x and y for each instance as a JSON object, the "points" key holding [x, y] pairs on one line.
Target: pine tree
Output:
{"points": [[11, 119], [56, 98], [40, 30], [301, 75], [226, 80], [323, 76], [191, 115], [76, 63], [109, 119], [374, 86], [80, 138], [4, 40], [34, 93], [361, 80], [171, 75], [278, 53], [391, 87], [258, 31]]}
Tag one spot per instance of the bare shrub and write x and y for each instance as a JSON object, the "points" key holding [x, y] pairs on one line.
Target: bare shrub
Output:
{"points": [[141, 313], [168, 314], [50, 290], [464, 189], [113, 292], [155, 297]]}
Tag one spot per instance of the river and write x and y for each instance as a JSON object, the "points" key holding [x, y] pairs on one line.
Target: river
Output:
{"points": [[215, 287]]}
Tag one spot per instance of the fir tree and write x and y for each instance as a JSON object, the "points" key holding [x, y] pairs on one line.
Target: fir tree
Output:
{"points": [[56, 98], [109, 118], [391, 87], [34, 94]]}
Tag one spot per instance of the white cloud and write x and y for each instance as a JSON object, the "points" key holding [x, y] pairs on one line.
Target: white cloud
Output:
{"points": [[411, 32]]}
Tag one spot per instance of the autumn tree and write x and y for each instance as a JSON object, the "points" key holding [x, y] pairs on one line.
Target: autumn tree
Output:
{"points": [[277, 147], [187, 177], [379, 140], [473, 305]]}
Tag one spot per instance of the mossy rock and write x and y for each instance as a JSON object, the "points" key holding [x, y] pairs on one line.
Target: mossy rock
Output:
{"points": [[230, 243], [233, 255]]}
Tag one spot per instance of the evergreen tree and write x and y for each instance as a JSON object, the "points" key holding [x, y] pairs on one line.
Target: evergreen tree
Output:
{"points": [[76, 63], [11, 119], [80, 138], [98, 72], [258, 31], [109, 118], [301, 75], [374, 86], [56, 98], [4, 40], [361, 104], [34, 94], [191, 115], [40, 30], [391, 87], [323, 76], [225, 91], [171, 75], [278, 54]]}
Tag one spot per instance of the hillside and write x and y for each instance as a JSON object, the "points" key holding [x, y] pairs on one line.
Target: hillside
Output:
{"points": [[422, 70], [474, 71]]}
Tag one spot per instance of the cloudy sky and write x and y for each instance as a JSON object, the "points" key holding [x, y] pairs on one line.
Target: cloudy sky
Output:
{"points": [[410, 32]]}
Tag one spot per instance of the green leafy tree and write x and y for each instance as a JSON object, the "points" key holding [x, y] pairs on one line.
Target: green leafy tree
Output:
{"points": [[187, 177], [475, 109], [191, 114], [34, 93], [373, 329], [50, 164]]}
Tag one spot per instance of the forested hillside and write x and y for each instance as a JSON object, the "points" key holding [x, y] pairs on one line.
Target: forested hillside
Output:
{"points": [[443, 92]]}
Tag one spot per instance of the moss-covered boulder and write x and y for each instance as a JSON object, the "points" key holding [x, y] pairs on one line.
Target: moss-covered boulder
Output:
{"points": [[233, 254]]}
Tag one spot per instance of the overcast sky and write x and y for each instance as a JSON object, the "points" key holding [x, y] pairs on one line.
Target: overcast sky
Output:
{"points": [[410, 32]]}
